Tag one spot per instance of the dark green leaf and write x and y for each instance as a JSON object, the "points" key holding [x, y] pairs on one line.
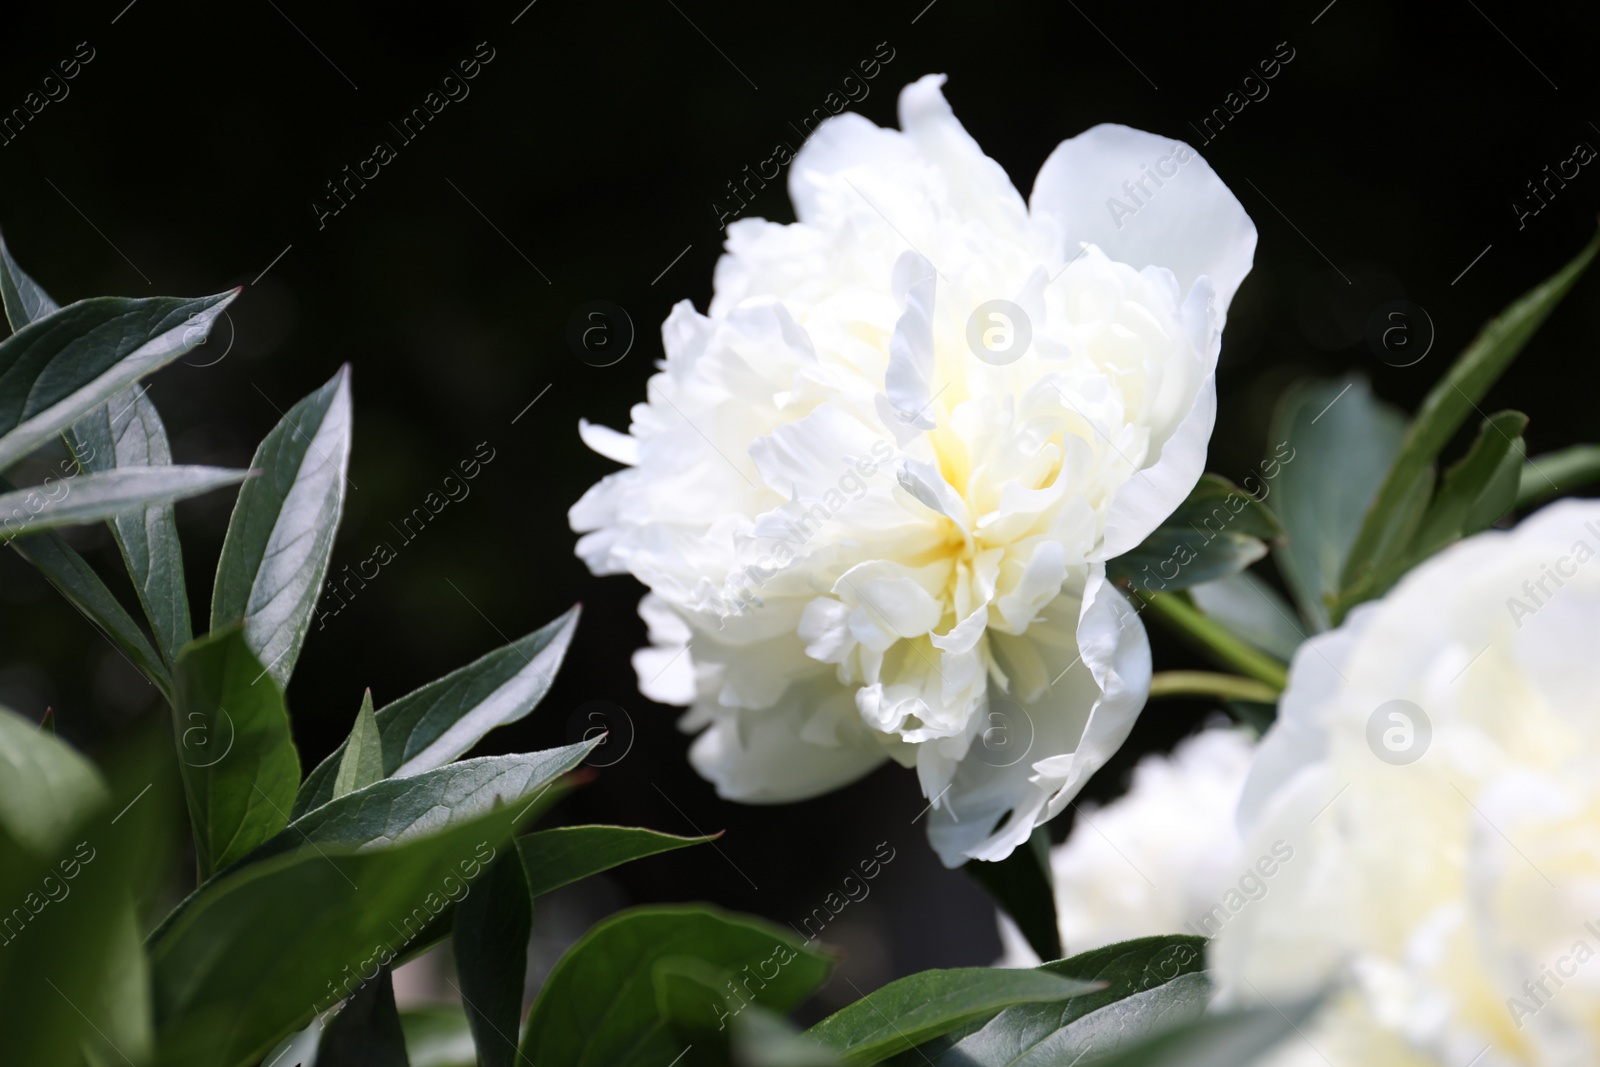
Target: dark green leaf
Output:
{"points": [[1333, 441], [1555, 473], [911, 1010], [74, 579], [443, 719], [24, 299], [93, 497], [61, 367], [361, 762], [1253, 611], [249, 960], [566, 854], [279, 540], [1150, 983], [1022, 885], [1221, 1039], [1450, 402], [366, 1032], [238, 759], [1218, 530], [493, 925], [127, 432], [599, 1004]]}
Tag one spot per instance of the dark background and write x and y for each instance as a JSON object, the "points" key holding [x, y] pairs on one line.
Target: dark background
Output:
{"points": [[189, 151]]}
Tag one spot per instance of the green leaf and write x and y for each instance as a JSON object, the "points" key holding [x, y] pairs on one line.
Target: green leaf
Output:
{"points": [[249, 960], [366, 1032], [1253, 611], [1022, 885], [1150, 983], [238, 759], [1218, 530], [361, 763], [72, 976], [1333, 441], [599, 1004], [493, 925], [913, 1009], [61, 367], [437, 1035], [433, 725], [1219, 1039], [279, 540], [763, 1038], [1450, 402], [1555, 473], [127, 432], [24, 299], [93, 497], [566, 854], [74, 579]]}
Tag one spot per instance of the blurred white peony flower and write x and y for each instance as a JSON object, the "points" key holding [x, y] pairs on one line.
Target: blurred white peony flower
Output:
{"points": [[1158, 859], [873, 516], [1447, 870]]}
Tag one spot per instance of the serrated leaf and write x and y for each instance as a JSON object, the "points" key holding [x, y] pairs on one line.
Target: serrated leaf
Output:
{"points": [[128, 432], [280, 537], [70, 573], [493, 925], [1340, 439], [1218, 530], [599, 1004], [24, 299], [433, 725], [235, 750], [1451, 401], [1022, 885], [566, 854], [366, 1032], [1150, 983], [361, 762], [93, 497], [59, 368], [911, 1010], [247, 961], [1252, 610]]}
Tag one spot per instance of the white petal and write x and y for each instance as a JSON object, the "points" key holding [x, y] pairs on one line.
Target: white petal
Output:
{"points": [[609, 443], [908, 382], [1190, 224]]}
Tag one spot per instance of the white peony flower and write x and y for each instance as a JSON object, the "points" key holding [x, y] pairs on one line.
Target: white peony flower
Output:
{"points": [[1157, 860], [1436, 768], [862, 540]]}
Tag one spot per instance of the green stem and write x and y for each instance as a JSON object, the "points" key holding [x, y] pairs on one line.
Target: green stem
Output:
{"points": [[1211, 684], [1558, 472], [1216, 640]]}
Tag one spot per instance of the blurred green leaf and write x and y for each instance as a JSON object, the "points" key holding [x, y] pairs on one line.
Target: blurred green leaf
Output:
{"points": [[1341, 440], [913, 1009], [46, 787], [366, 1032], [1555, 473], [1150, 983], [1219, 1039], [1449, 403], [1022, 885], [563, 855], [93, 497], [599, 1004], [59, 368], [1218, 530], [248, 960], [361, 762], [280, 538], [438, 1036], [763, 1038], [235, 749], [491, 941], [433, 725], [1253, 611], [127, 432]]}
